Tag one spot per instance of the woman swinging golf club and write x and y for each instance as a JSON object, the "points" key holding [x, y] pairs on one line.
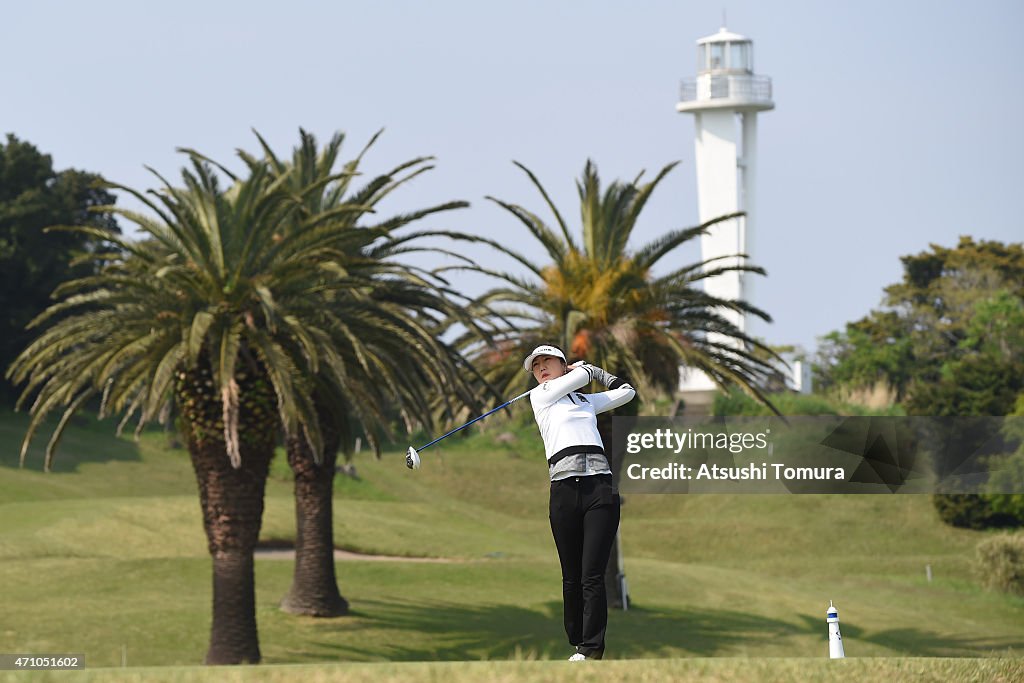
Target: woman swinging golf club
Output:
{"points": [[584, 507]]}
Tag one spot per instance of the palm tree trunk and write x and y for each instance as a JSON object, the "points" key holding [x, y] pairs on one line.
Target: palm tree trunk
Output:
{"points": [[314, 591], [232, 504], [234, 638]]}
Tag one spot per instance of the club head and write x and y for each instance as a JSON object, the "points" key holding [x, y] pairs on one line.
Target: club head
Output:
{"points": [[412, 459]]}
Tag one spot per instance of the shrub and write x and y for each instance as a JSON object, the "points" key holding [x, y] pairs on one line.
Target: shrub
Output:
{"points": [[990, 510], [972, 511], [1007, 478], [790, 403], [1000, 563]]}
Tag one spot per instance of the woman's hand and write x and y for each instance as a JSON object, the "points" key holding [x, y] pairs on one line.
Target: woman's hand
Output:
{"points": [[576, 364]]}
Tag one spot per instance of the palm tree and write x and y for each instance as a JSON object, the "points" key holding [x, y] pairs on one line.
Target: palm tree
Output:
{"points": [[388, 338], [216, 314], [603, 302]]}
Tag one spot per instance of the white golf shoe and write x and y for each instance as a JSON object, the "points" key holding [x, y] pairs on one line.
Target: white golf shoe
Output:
{"points": [[578, 657]]}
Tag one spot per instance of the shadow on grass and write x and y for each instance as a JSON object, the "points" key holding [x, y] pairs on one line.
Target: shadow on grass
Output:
{"points": [[507, 631], [503, 632], [85, 440], [439, 631], [447, 631], [661, 631]]}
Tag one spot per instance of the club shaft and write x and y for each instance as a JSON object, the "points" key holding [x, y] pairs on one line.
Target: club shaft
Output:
{"points": [[475, 419]]}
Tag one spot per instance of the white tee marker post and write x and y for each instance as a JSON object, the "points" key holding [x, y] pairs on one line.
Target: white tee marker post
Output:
{"points": [[835, 639]]}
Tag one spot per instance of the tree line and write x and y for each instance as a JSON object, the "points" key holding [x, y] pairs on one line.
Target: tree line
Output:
{"points": [[948, 341]]}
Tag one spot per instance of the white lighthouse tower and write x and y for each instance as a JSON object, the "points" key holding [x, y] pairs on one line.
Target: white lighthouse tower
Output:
{"points": [[725, 98]]}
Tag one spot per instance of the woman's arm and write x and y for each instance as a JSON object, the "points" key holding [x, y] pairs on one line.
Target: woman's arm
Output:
{"points": [[581, 374], [554, 389], [604, 377], [620, 391], [609, 400]]}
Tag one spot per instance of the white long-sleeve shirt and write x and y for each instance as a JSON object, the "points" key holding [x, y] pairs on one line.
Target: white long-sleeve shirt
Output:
{"points": [[567, 419]]}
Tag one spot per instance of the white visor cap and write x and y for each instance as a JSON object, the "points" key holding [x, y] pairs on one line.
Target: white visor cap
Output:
{"points": [[542, 350]]}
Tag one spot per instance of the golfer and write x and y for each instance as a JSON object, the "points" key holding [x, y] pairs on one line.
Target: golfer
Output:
{"points": [[584, 507]]}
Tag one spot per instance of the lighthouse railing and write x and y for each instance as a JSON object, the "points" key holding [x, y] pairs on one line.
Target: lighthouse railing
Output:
{"points": [[726, 86]]}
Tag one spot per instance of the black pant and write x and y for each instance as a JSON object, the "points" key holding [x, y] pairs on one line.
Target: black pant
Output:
{"points": [[584, 519]]}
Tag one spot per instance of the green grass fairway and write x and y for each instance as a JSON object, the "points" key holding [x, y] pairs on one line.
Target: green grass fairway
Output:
{"points": [[106, 557], [719, 670]]}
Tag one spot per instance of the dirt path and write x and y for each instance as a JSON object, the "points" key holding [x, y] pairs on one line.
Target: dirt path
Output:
{"points": [[289, 554]]}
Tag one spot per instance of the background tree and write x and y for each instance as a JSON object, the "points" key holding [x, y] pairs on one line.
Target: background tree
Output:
{"points": [[218, 312], [390, 321], [603, 302], [919, 336], [875, 350], [949, 341], [33, 196]]}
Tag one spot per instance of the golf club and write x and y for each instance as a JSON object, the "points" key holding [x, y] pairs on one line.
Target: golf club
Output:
{"points": [[412, 456]]}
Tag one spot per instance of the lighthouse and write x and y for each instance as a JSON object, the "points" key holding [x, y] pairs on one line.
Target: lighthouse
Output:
{"points": [[725, 98]]}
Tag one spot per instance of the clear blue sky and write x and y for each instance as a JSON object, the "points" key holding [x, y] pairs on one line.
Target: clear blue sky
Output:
{"points": [[897, 124]]}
